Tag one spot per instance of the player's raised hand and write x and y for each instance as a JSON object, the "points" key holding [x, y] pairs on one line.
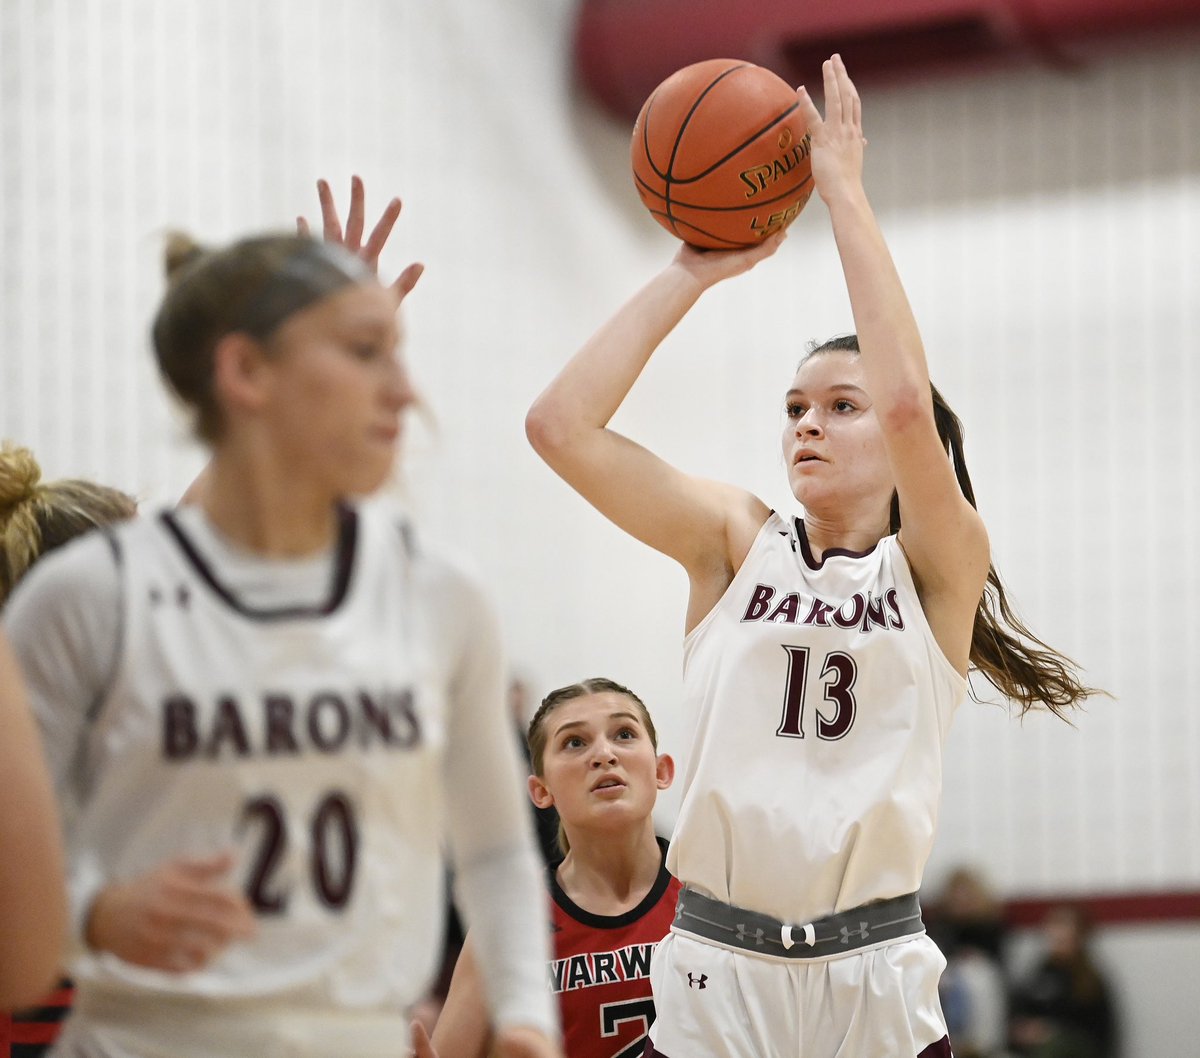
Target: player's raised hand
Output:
{"points": [[351, 237], [524, 1043], [837, 138], [177, 917]]}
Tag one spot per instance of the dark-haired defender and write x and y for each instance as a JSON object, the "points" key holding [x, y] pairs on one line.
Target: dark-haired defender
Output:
{"points": [[823, 660], [270, 708]]}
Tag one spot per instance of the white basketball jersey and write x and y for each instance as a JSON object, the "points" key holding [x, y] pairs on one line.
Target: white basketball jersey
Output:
{"points": [[308, 741], [821, 702]]}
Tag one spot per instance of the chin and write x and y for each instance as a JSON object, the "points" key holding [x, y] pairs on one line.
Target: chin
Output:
{"points": [[371, 475]]}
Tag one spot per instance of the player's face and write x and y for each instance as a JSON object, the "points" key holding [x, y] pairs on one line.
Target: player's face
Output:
{"points": [[339, 389], [600, 768], [832, 444]]}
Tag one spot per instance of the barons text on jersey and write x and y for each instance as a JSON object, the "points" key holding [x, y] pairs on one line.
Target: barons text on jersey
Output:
{"points": [[279, 723], [862, 610]]}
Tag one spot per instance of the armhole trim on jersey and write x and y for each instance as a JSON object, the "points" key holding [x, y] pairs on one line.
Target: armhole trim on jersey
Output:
{"points": [[110, 677], [772, 524], [962, 682], [628, 918], [344, 554]]}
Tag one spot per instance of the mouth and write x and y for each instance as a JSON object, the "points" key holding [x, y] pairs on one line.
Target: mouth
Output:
{"points": [[611, 783], [806, 457]]}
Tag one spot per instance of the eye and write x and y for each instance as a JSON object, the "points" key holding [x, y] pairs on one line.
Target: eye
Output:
{"points": [[627, 733], [793, 410], [843, 405], [572, 742]]}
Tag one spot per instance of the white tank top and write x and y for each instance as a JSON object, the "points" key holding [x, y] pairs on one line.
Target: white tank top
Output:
{"points": [[821, 702], [309, 741]]}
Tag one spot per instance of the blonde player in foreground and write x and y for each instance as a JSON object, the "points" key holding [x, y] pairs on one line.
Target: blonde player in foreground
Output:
{"points": [[823, 660], [36, 518], [268, 708]]}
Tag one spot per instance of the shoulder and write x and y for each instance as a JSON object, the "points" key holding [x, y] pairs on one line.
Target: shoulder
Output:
{"points": [[80, 576], [63, 620]]}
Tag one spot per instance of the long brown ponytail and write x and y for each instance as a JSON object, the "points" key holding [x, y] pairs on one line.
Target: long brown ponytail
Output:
{"points": [[1016, 662]]}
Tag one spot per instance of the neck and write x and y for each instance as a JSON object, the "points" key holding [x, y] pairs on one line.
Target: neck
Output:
{"points": [[609, 874], [848, 530], [277, 515]]}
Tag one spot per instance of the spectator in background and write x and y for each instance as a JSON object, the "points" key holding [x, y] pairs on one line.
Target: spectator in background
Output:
{"points": [[967, 924], [1064, 1009]]}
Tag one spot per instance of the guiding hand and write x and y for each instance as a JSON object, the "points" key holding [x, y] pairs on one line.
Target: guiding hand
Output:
{"points": [[351, 238], [177, 917], [837, 139]]}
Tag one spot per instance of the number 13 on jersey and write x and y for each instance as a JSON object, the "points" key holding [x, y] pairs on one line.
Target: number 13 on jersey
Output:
{"points": [[835, 711]]}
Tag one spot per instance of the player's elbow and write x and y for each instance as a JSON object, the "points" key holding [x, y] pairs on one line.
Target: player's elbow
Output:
{"points": [[547, 429], [906, 408]]}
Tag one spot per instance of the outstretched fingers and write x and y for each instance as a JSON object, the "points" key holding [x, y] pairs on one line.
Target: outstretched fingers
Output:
{"points": [[352, 239], [407, 279], [833, 95], [812, 116], [843, 105], [331, 225], [851, 103], [356, 218], [380, 234]]}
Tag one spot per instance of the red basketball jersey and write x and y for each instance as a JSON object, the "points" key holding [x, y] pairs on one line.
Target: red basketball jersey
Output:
{"points": [[601, 970]]}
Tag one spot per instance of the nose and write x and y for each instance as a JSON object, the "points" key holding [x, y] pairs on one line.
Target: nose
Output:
{"points": [[809, 424], [602, 753], [398, 390]]}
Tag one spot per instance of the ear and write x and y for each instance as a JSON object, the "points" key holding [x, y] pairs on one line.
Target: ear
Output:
{"points": [[539, 793], [665, 770], [239, 372]]}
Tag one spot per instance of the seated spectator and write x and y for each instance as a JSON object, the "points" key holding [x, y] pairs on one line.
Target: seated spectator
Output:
{"points": [[966, 923], [1065, 1008]]}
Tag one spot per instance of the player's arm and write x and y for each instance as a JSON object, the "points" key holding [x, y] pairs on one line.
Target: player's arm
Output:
{"points": [[463, 1029], [944, 537], [33, 906], [498, 872], [684, 517]]}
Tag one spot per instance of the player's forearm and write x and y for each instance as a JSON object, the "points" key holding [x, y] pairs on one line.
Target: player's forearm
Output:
{"points": [[892, 352], [503, 899], [33, 907]]}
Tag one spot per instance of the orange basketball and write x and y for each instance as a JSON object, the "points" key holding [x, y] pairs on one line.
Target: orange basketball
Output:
{"points": [[721, 154]]}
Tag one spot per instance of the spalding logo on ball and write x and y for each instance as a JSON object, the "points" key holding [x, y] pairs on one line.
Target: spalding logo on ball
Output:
{"points": [[721, 154]]}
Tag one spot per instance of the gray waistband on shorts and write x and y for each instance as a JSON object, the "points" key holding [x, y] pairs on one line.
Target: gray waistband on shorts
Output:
{"points": [[860, 927]]}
